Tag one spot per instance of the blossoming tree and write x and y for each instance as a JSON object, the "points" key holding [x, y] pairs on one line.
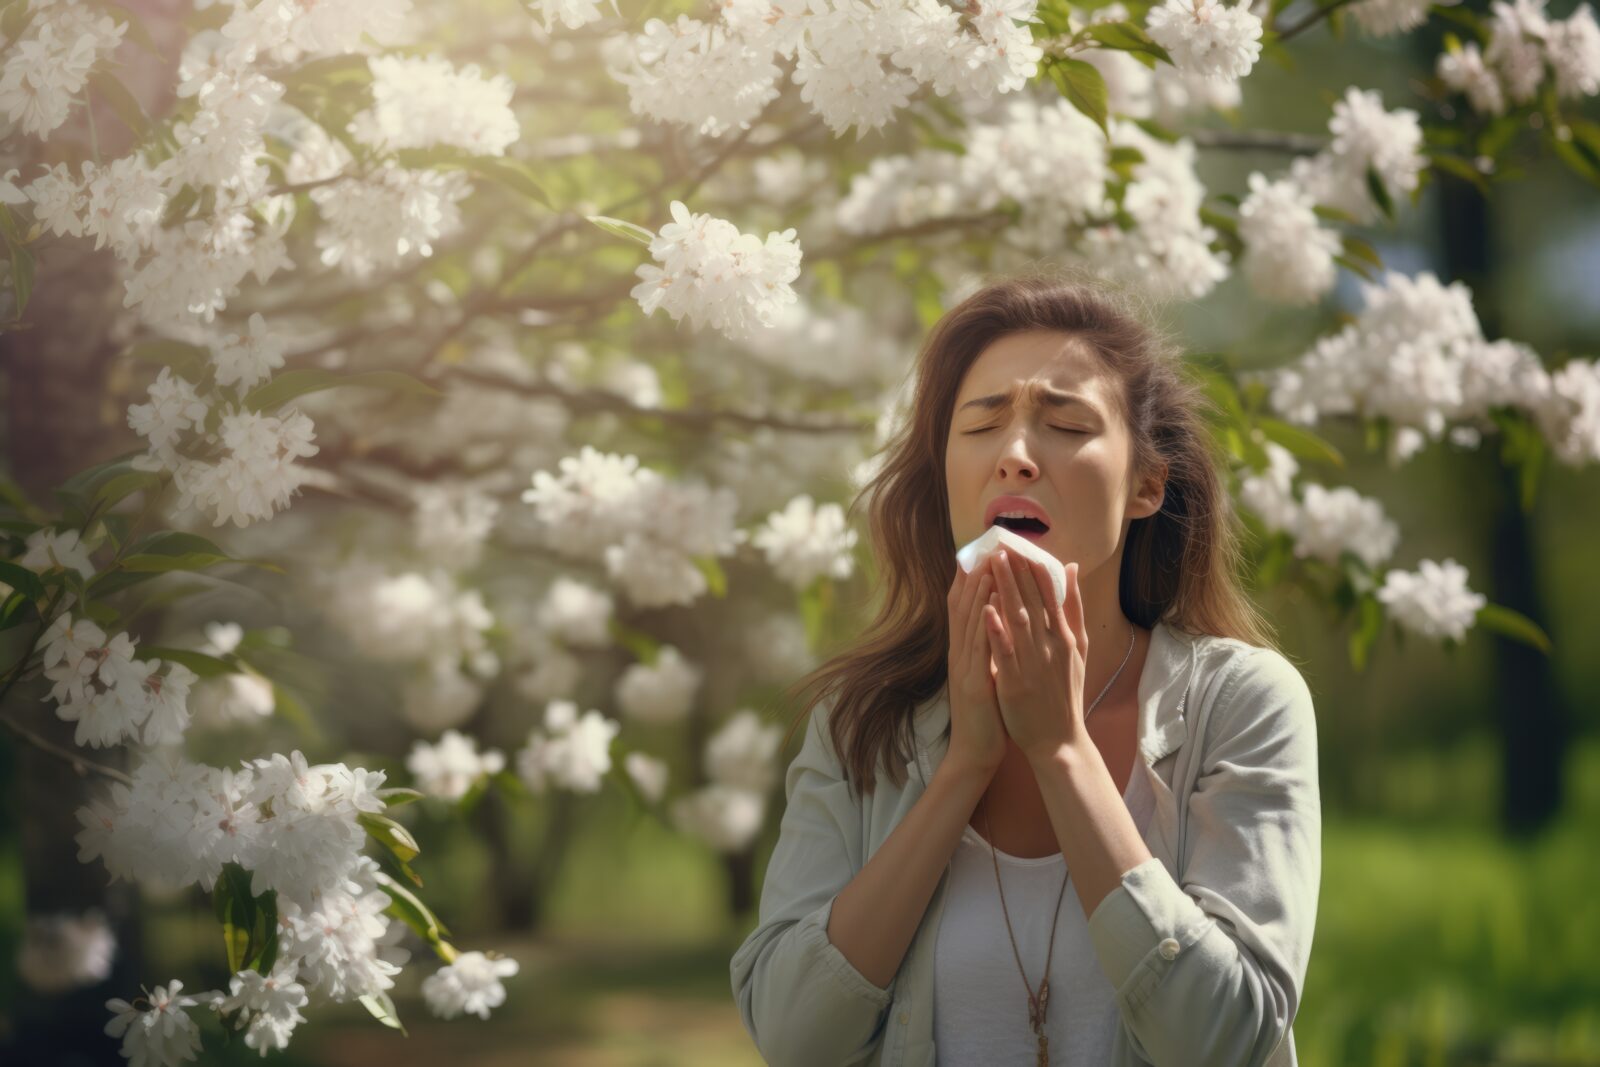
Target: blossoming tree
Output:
{"points": [[409, 297]]}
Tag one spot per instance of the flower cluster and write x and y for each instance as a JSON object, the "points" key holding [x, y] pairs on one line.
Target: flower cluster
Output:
{"points": [[714, 275], [646, 530], [1416, 356], [740, 760], [855, 64], [1523, 43]]}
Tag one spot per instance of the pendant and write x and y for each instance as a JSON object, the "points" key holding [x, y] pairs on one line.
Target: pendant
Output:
{"points": [[1044, 1051]]}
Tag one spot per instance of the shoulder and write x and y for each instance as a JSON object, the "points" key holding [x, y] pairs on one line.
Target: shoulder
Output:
{"points": [[1251, 688]]}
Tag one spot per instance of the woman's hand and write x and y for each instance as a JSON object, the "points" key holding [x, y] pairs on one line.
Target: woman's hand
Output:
{"points": [[977, 734], [1039, 654]]}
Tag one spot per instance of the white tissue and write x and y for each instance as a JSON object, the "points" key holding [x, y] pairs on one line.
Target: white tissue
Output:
{"points": [[978, 550]]}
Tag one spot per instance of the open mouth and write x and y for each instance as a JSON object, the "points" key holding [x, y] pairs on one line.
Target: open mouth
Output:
{"points": [[1032, 529]]}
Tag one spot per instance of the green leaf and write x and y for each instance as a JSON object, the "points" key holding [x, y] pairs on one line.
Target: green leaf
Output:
{"points": [[1366, 632], [621, 228], [1356, 248], [22, 273], [1380, 193], [409, 909], [645, 648], [270, 395], [264, 934], [1515, 625], [382, 1009], [391, 835], [395, 796], [1354, 266], [187, 361], [123, 102], [1083, 85], [206, 666], [1299, 441], [125, 485], [514, 174], [292, 708], [1460, 168], [22, 580], [1156, 130], [86, 481], [1585, 164], [716, 577], [12, 494], [1127, 37], [235, 908]]}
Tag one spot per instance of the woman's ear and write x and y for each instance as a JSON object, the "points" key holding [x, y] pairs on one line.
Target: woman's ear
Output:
{"points": [[1152, 493]]}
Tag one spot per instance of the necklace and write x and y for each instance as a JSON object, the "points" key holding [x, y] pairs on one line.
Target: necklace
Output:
{"points": [[1037, 1003]]}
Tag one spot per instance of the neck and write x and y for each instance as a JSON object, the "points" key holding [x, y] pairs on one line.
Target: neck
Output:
{"points": [[1108, 631]]}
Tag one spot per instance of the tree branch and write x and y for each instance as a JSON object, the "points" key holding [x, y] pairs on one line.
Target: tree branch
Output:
{"points": [[77, 762], [1311, 19], [1263, 140]]}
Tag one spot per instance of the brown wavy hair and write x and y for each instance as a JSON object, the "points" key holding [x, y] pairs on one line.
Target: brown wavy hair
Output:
{"points": [[1180, 564]]}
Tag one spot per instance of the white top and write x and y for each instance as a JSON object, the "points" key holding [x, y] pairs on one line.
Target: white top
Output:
{"points": [[980, 1004]]}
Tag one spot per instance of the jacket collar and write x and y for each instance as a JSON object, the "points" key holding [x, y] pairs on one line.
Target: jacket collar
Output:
{"points": [[1164, 684]]}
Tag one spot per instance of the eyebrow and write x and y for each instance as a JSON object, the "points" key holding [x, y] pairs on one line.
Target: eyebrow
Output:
{"points": [[1047, 395]]}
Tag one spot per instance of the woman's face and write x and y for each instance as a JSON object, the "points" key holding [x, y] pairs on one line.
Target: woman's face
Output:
{"points": [[1036, 417]]}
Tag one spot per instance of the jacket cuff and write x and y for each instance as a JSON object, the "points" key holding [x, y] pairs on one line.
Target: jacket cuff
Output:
{"points": [[1142, 928], [812, 932]]}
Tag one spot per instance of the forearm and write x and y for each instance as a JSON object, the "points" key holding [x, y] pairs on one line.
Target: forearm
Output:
{"points": [[1097, 835], [875, 917]]}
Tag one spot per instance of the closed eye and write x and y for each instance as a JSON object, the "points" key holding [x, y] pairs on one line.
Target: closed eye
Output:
{"points": [[1063, 429]]}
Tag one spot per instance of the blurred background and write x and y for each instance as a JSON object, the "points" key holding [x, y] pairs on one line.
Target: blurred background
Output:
{"points": [[1459, 918]]}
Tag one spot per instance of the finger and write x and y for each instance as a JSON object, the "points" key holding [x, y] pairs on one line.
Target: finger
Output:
{"points": [[999, 636], [1037, 603], [978, 644], [966, 618], [1016, 612], [971, 595]]}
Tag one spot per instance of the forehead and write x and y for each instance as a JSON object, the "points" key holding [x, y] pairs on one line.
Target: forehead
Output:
{"points": [[1034, 367]]}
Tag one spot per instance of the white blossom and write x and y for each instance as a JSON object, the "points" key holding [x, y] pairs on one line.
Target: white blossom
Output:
{"points": [[572, 751], [648, 773], [1207, 37], [160, 1033], [269, 1005], [423, 102], [249, 358], [1288, 254], [63, 951], [743, 752], [452, 765], [726, 817], [806, 541], [471, 984], [1433, 600], [717, 276], [1334, 521], [660, 692]]}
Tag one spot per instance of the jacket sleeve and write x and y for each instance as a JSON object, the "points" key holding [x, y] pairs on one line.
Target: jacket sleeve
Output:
{"points": [[1209, 969], [802, 1002]]}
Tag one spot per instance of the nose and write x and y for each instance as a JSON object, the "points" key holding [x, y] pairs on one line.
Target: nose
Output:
{"points": [[1014, 462]]}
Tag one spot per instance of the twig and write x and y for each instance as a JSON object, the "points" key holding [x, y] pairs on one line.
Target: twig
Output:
{"points": [[1311, 19], [77, 762], [1267, 140]]}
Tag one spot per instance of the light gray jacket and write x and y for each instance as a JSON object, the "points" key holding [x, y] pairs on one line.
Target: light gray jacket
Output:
{"points": [[1206, 943]]}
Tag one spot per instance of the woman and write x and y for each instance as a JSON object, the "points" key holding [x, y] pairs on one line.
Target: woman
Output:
{"points": [[1142, 740]]}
